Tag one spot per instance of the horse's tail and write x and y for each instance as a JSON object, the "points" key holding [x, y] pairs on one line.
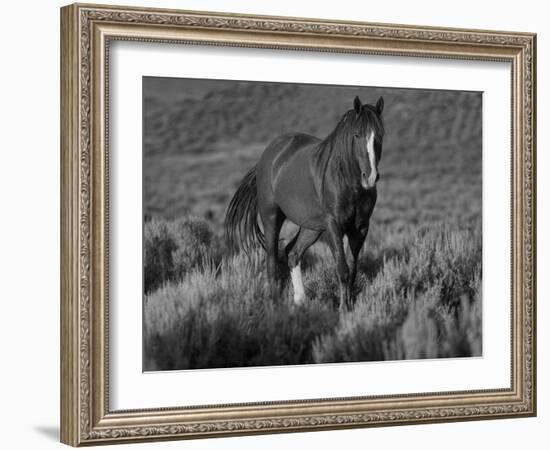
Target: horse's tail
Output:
{"points": [[241, 219]]}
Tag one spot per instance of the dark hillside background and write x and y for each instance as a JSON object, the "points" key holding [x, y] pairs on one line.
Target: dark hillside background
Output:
{"points": [[201, 136]]}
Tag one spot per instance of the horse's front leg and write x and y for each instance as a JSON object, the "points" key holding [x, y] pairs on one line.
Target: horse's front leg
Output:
{"points": [[356, 240], [337, 246]]}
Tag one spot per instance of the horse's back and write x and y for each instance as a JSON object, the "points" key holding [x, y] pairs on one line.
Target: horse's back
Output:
{"points": [[284, 147]]}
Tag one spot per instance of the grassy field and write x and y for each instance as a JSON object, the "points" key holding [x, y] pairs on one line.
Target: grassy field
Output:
{"points": [[419, 283]]}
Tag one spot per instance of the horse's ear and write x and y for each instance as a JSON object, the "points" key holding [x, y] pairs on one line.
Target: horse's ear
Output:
{"points": [[357, 105], [380, 105]]}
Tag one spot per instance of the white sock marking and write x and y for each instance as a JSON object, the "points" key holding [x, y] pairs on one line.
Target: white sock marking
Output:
{"points": [[299, 292]]}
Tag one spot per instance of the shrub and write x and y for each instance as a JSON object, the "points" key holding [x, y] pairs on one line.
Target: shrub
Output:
{"points": [[424, 304], [228, 318], [419, 300], [172, 249]]}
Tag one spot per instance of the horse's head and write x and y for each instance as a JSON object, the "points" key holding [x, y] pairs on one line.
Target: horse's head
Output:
{"points": [[368, 133]]}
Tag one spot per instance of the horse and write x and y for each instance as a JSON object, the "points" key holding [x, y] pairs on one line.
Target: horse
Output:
{"points": [[327, 187]]}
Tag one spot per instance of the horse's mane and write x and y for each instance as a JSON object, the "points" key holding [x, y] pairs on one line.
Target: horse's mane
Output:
{"points": [[336, 150]]}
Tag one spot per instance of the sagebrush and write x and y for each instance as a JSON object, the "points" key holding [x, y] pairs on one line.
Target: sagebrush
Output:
{"points": [[208, 309]]}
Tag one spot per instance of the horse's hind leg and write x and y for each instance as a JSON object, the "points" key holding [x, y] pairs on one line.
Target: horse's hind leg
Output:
{"points": [[304, 239], [272, 220]]}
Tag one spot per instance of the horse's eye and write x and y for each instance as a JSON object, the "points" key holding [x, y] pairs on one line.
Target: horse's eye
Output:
{"points": [[356, 136]]}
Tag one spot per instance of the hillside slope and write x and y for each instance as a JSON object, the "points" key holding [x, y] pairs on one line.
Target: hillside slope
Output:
{"points": [[197, 149]]}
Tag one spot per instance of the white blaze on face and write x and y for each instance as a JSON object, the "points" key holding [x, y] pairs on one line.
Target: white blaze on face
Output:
{"points": [[299, 292], [372, 159]]}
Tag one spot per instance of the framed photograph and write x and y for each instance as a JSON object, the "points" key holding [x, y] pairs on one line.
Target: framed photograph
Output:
{"points": [[274, 224]]}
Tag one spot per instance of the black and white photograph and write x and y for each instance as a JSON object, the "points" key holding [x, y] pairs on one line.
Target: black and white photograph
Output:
{"points": [[290, 224]]}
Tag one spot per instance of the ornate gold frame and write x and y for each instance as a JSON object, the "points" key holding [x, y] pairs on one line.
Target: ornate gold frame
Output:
{"points": [[86, 31]]}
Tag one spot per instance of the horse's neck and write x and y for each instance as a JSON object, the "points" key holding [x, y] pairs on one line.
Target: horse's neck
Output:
{"points": [[342, 162], [335, 166]]}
